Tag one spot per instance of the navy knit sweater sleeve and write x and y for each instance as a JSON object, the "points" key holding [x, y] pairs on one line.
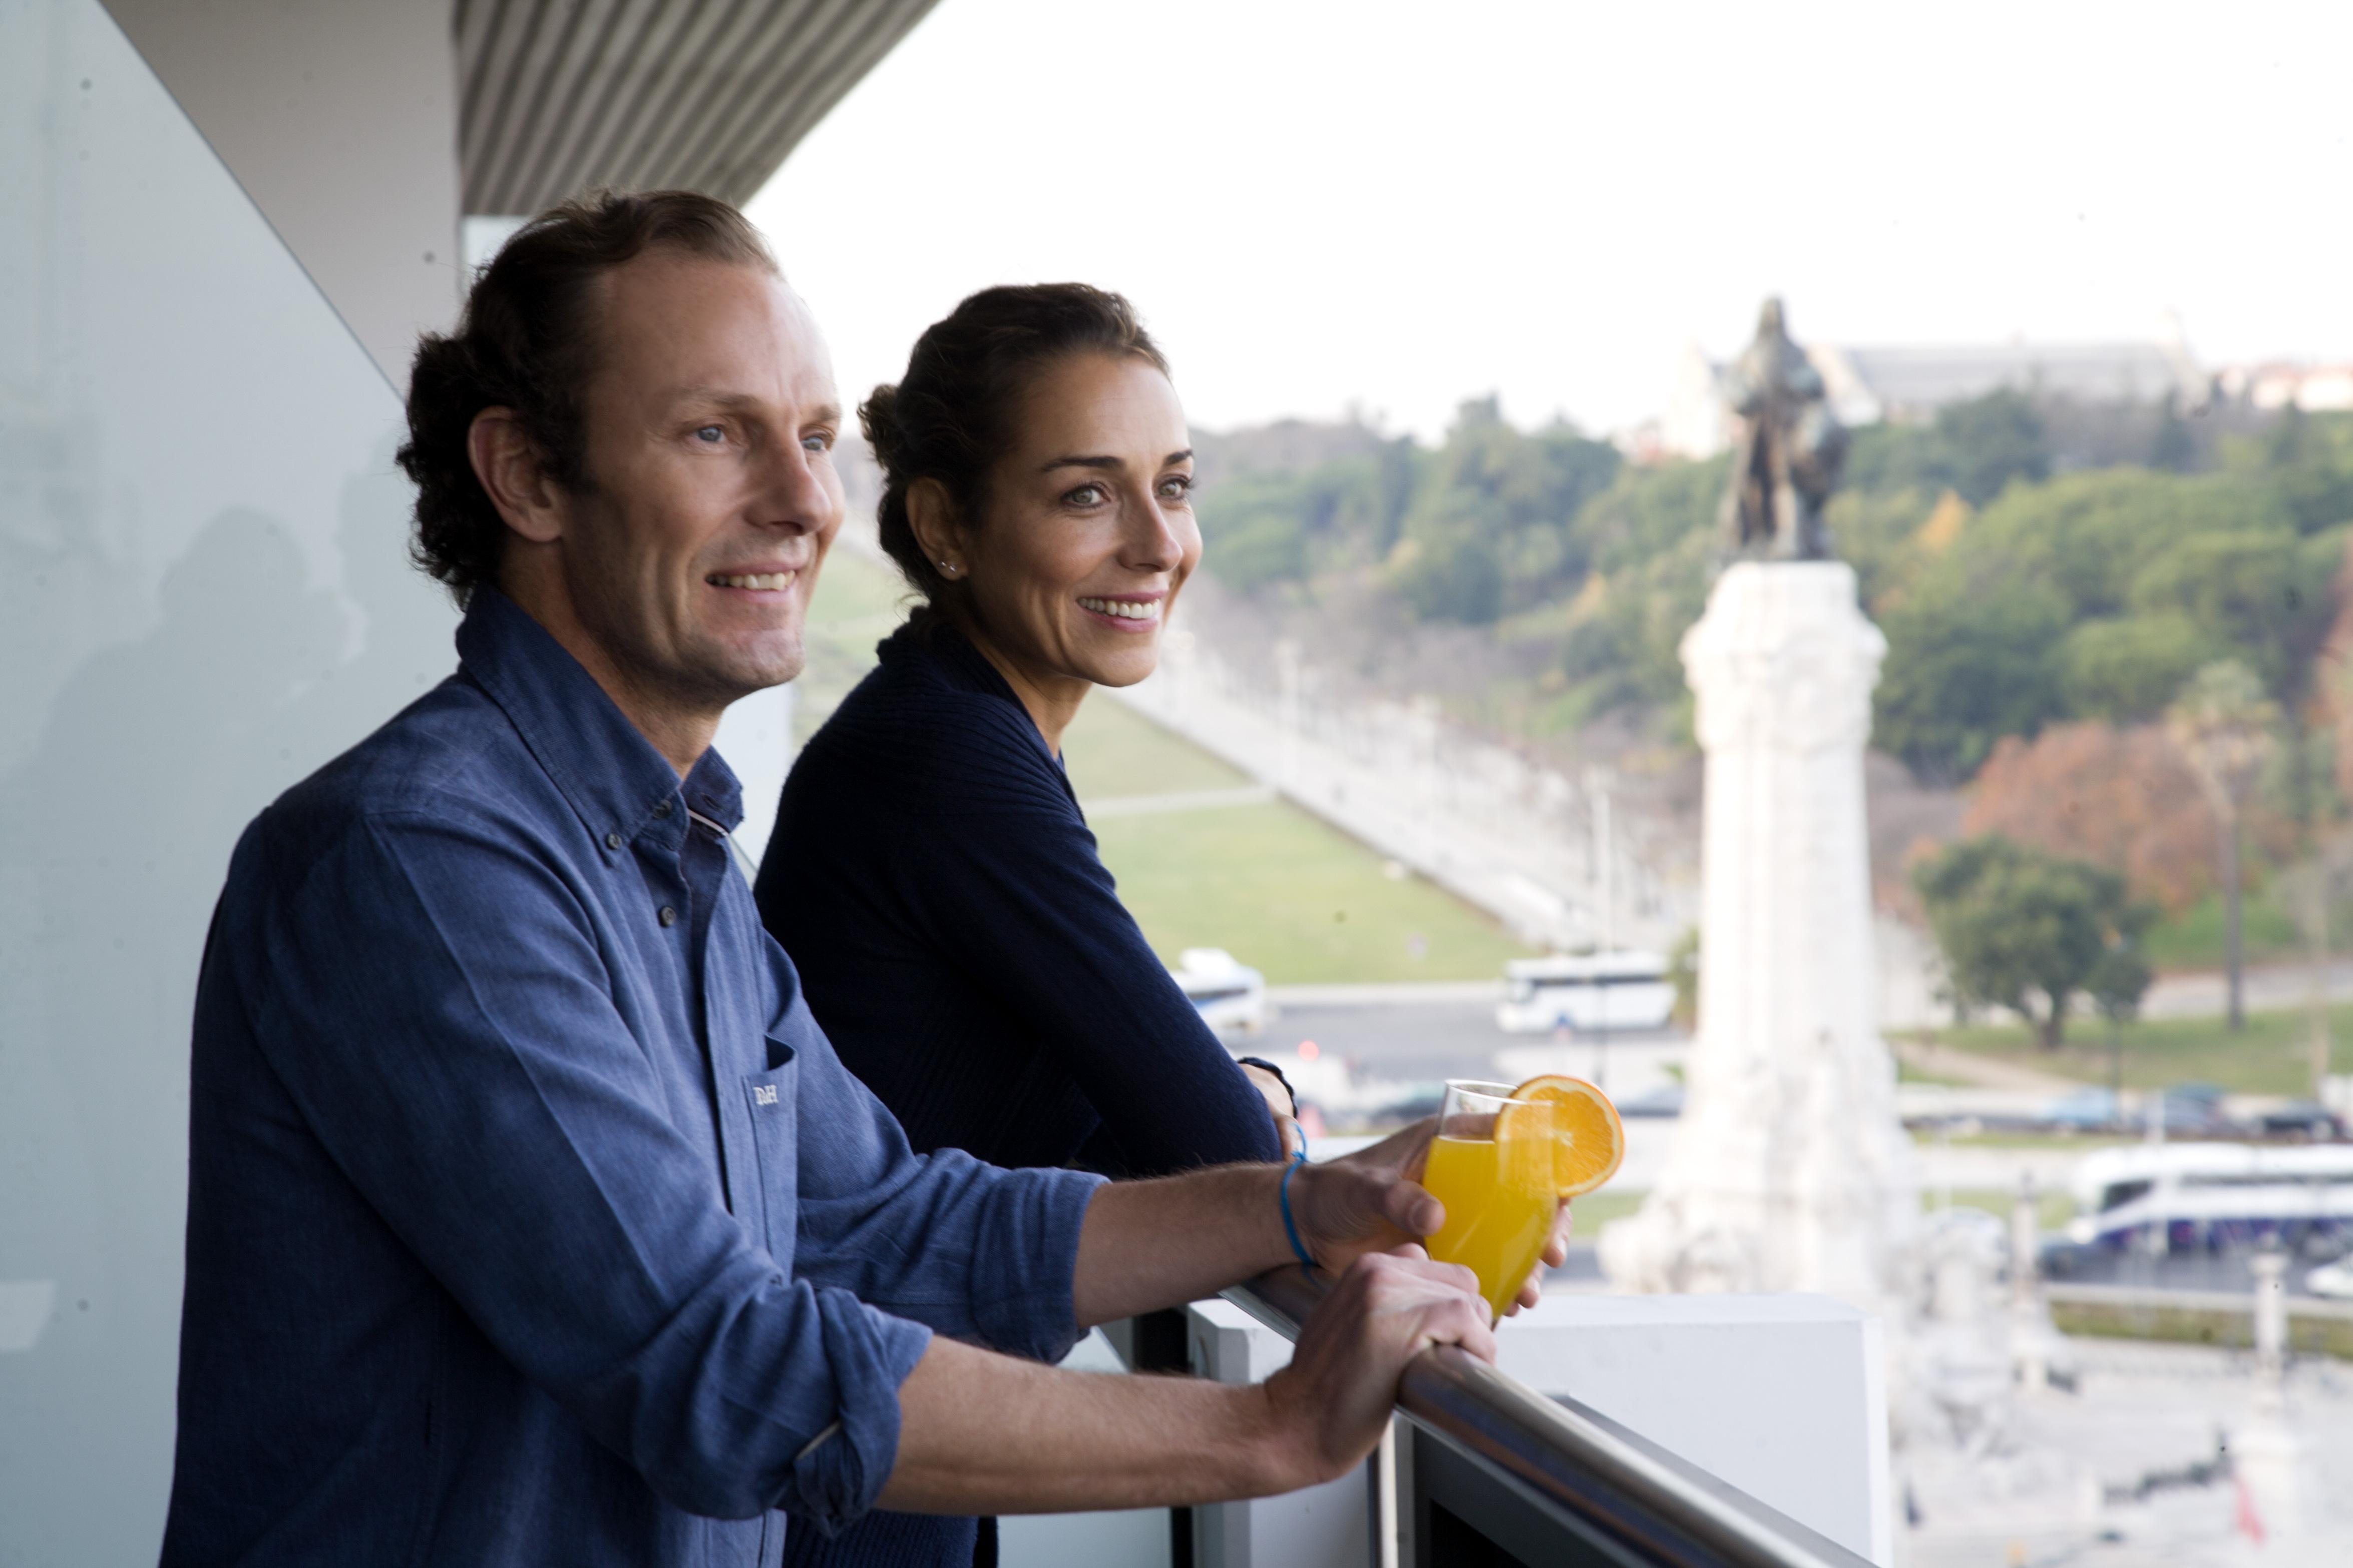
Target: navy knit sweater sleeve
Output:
{"points": [[965, 947]]}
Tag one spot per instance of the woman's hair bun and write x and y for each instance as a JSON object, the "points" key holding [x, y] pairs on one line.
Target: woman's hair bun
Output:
{"points": [[878, 418]]}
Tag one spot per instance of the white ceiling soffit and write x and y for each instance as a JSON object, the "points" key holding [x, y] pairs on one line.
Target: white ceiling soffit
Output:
{"points": [[363, 130], [558, 96]]}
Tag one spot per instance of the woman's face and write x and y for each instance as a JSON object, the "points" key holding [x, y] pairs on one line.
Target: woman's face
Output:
{"points": [[1090, 530]]}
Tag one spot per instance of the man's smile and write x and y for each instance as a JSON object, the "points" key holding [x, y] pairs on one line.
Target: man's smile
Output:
{"points": [[754, 581]]}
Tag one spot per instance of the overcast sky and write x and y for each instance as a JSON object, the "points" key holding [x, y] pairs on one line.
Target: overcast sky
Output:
{"points": [[1399, 206]]}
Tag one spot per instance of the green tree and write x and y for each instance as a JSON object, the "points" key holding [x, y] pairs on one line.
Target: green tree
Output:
{"points": [[1975, 449], [2171, 447], [1988, 442], [2223, 724], [2307, 460], [1260, 527], [1886, 457], [1624, 642], [1966, 666], [2262, 593], [1877, 533], [2127, 668], [1252, 550], [1452, 578], [2121, 977], [1489, 529], [1650, 511], [2090, 535], [2029, 932]]}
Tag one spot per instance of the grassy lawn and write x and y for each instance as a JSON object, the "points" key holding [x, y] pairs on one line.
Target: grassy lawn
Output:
{"points": [[2193, 937], [1290, 896], [1268, 883], [2235, 1331], [2270, 1055], [2070, 1142]]}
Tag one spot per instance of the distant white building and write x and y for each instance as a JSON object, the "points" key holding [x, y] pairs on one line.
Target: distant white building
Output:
{"points": [[2311, 387], [1868, 386], [1697, 419]]}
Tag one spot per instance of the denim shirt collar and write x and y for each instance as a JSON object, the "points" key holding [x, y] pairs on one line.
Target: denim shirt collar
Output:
{"points": [[620, 787]]}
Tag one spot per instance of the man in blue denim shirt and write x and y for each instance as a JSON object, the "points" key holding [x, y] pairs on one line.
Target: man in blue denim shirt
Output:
{"points": [[532, 1219]]}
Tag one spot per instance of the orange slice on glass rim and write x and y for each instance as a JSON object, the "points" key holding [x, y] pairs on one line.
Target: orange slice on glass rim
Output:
{"points": [[1589, 1141]]}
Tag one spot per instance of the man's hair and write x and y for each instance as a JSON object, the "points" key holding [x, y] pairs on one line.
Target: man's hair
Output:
{"points": [[951, 417], [528, 340]]}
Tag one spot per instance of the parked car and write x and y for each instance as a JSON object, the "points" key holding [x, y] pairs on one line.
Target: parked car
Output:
{"points": [[2088, 1110], [1228, 993], [2305, 1119], [2195, 1110], [2332, 1279]]}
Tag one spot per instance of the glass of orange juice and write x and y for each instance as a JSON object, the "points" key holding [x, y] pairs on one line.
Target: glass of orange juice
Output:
{"points": [[1491, 1167]]}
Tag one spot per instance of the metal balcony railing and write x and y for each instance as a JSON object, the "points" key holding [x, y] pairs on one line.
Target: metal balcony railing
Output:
{"points": [[1490, 1472]]}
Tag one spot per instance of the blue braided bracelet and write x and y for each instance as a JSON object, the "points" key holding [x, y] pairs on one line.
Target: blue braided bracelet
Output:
{"points": [[1282, 1193]]}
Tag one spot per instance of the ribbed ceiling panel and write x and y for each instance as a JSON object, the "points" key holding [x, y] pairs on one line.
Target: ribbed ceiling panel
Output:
{"points": [[561, 95]]}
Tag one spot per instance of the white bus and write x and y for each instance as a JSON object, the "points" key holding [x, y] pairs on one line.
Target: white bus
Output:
{"points": [[1628, 989], [2205, 1196]]}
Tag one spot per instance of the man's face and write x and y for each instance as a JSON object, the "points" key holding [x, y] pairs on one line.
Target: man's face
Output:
{"points": [[712, 496]]}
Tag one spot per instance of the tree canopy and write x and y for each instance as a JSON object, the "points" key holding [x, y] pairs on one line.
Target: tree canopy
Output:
{"points": [[2014, 595], [2029, 932]]}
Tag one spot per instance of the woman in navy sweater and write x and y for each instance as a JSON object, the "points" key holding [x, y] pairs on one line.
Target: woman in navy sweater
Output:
{"points": [[931, 873]]}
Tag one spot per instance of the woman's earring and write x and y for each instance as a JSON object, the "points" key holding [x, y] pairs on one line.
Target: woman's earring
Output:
{"points": [[946, 568]]}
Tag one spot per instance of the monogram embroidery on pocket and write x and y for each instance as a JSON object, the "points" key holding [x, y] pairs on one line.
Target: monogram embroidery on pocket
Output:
{"points": [[764, 1094]]}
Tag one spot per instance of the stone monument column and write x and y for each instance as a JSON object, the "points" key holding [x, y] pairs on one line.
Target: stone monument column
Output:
{"points": [[1789, 1170]]}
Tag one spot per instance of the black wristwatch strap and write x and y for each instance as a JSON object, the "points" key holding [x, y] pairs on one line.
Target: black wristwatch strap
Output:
{"points": [[1270, 1067]]}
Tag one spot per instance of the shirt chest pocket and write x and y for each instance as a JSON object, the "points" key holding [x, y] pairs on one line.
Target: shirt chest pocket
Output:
{"points": [[772, 1106]]}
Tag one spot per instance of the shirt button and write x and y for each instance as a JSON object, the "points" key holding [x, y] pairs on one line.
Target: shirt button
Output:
{"points": [[662, 809], [668, 917], [612, 841]]}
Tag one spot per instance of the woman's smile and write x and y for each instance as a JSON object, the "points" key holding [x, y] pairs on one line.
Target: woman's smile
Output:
{"points": [[1139, 612]]}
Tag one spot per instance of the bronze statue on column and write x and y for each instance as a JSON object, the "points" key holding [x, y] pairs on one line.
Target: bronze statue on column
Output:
{"points": [[1786, 459]]}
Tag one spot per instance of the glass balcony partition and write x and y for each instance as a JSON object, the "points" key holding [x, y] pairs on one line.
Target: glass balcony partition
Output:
{"points": [[1489, 1472], [204, 596]]}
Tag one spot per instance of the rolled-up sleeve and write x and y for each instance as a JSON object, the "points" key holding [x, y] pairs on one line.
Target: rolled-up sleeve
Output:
{"points": [[432, 995], [978, 1253]]}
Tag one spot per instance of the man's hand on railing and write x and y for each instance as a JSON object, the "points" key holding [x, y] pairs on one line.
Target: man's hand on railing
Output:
{"points": [[1372, 1201], [1332, 1404]]}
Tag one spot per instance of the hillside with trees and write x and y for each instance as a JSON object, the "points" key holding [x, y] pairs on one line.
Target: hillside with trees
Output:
{"points": [[2052, 580]]}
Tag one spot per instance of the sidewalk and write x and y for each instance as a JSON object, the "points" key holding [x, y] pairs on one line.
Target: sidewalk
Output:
{"points": [[2269, 988], [1982, 1072]]}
